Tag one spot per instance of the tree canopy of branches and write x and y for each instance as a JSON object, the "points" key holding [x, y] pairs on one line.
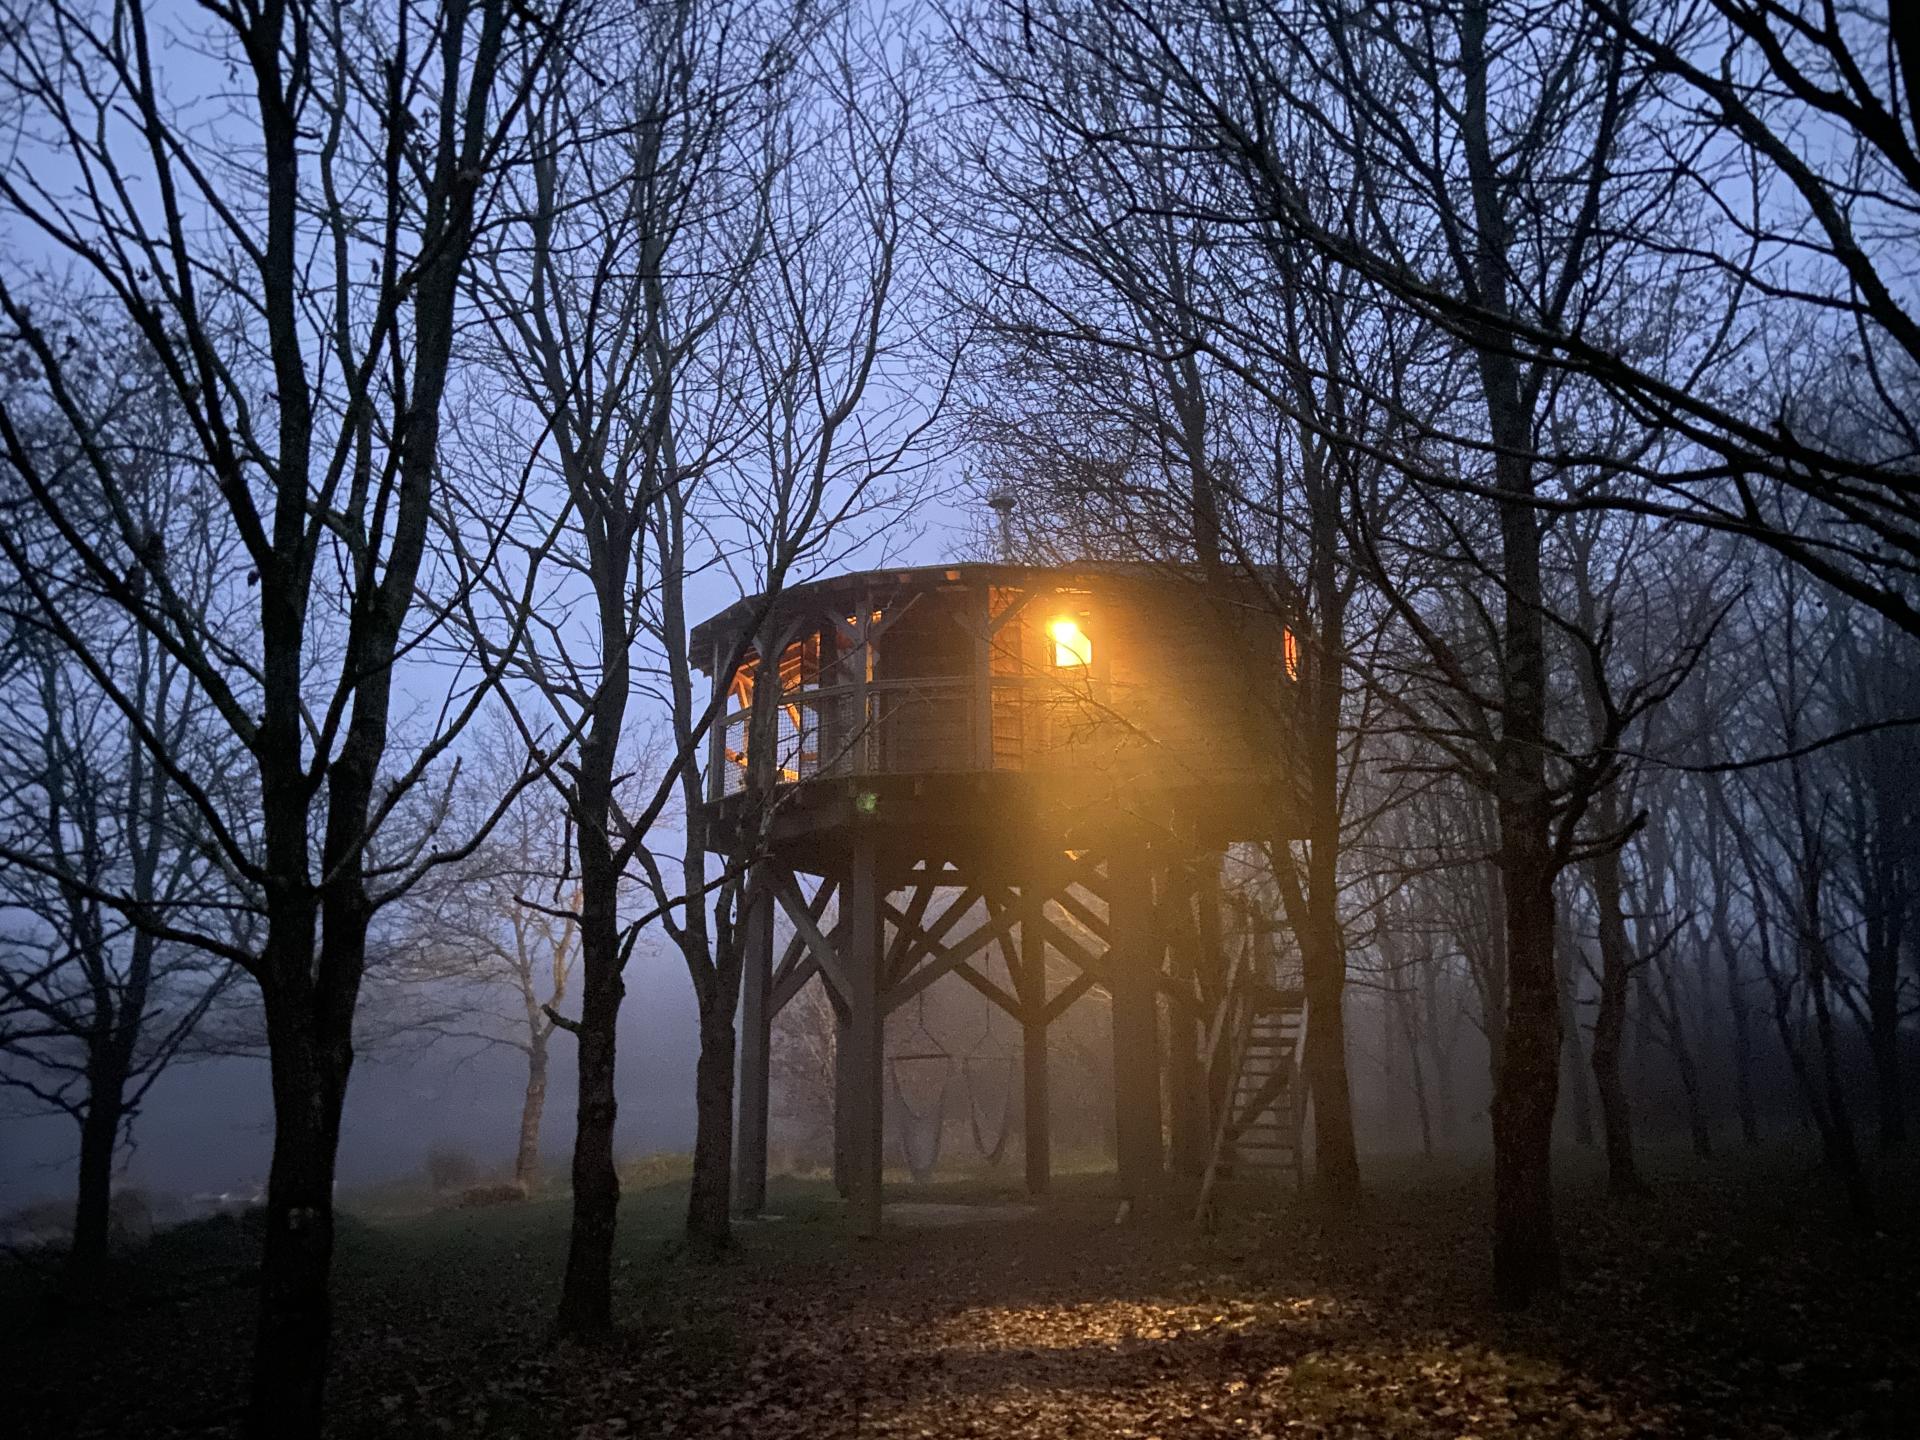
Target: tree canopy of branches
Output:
{"points": [[273, 209]]}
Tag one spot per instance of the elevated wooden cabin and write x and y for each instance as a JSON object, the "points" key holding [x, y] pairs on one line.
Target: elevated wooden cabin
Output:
{"points": [[974, 707], [1045, 763]]}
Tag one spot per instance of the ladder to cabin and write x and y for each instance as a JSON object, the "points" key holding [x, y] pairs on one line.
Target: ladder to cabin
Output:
{"points": [[1259, 1134]]}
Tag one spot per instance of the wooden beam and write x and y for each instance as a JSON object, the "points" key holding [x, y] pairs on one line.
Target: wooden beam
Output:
{"points": [[999, 622], [1036, 1013], [982, 688], [1070, 992], [1269, 1091], [900, 952], [1072, 950], [797, 942], [929, 937], [860, 1058], [791, 984], [941, 963], [1086, 872], [1083, 914], [1008, 1003], [787, 891], [1133, 960], [1009, 957]]}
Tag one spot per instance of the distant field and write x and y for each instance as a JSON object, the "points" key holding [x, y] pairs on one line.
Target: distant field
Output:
{"points": [[1719, 1306]]}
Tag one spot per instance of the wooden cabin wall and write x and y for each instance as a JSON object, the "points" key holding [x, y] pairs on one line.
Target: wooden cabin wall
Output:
{"points": [[1181, 686]]}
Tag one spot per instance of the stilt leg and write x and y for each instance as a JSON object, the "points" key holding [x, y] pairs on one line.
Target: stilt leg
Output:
{"points": [[1033, 1004], [1134, 958], [842, 1106], [1186, 1085], [863, 1037], [756, 1034]]}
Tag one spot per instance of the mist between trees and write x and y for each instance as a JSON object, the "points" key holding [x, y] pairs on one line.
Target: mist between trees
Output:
{"points": [[387, 388]]}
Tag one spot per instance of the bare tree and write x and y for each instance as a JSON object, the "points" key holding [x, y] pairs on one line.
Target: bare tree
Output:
{"points": [[693, 333], [645, 195], [287, 254], [92, 1009], [828, 460], [487, 949]]}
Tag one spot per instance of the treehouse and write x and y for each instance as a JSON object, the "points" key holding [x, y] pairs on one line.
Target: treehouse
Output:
{"points": [[988, 708], [946, 770]]}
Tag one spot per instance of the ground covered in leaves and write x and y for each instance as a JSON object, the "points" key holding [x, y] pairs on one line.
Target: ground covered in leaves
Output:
{"points": [[1732, 1301]]}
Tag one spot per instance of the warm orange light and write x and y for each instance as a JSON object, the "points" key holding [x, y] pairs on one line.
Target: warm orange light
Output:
{"points": [[1071, 645], [1290, 644]]}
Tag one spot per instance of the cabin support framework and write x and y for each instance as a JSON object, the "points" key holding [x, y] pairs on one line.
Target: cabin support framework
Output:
{"points": [[925, 768], [1123, 923]]}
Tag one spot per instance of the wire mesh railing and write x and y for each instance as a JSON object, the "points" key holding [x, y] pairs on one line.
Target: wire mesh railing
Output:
{"points": [[910, 726]]}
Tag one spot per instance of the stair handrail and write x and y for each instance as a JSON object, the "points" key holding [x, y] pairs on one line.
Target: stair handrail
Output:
{"points": [[1233, 1028]]}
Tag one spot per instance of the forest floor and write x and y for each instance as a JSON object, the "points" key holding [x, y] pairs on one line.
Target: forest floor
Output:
{"points": [[1734, 1300]]}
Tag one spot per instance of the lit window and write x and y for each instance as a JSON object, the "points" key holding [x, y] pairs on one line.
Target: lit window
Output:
{"points": [[1071, 644], [1290, 647]]}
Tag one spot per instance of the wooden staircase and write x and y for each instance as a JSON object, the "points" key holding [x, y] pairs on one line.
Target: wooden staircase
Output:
{"points": [[1257, 1137]]}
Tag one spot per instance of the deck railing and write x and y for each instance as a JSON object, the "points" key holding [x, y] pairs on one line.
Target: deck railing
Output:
{"points": [[911, 727]]}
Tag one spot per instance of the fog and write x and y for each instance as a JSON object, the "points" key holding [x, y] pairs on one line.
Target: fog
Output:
{"points": [[206, 1126]]}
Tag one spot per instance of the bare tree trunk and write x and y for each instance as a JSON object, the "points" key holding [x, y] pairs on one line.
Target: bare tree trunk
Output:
{"points": [[1883, 1034], [586, 1291], [533, 1104], [99, 1137], [1700, 1131], [1440, 1054], [1610, 1023], [1842, 1148], [1570, 1032], [842, 1105], [1526, 1256], [1401, 1005], [1335, 1161], [710, 1199], [1742, 1039], [292, 1343]]}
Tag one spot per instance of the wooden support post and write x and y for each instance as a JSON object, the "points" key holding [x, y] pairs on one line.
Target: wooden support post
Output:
{"points": [[756, 1037], [842, 1107], [861, 1060], [1212, 965], [1133, 961], [1033, 1033], [1186, 1081]]}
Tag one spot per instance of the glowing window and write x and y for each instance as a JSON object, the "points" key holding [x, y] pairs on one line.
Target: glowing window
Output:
{"points": [[1290, 646], [1072, 646]]}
